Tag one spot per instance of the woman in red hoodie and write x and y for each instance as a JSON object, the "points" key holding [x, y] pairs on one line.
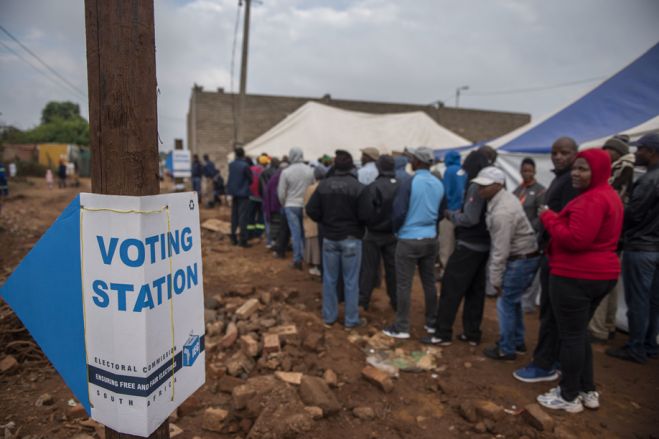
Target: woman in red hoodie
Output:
{"points": [[583, 269]]}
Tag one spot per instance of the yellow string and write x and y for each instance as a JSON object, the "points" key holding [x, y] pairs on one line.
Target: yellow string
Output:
{"points": [[171, 277]]}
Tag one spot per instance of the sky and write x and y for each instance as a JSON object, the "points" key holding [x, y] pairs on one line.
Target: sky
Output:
{"points": [[514, 55]]}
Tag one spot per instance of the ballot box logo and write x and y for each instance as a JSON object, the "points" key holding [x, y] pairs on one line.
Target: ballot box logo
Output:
{"points": [[191, 350]]}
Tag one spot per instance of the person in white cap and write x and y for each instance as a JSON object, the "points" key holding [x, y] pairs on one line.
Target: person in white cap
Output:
{"points": [[514, 260]]}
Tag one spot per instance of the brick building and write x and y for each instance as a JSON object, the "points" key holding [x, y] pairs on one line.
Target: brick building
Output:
{"points": [[211, 118]]}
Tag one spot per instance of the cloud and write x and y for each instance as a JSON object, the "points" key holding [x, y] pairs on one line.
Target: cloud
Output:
{"points": [[383, 50]]}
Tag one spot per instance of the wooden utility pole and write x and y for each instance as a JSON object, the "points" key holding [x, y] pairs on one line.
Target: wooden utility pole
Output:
{"points": [[121, 72], [243, 76]]}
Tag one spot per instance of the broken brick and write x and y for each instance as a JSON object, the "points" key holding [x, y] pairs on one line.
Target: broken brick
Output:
{"points": [[289, 377], [271, 344], [538, 418], [379, 378], [249, 345], [214, 419], [247, 309], [314, 392], [230, 336]]}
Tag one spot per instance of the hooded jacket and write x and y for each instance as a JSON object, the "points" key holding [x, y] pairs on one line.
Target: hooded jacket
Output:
{"points": [[294, 180], [454, 181], [584, 235]]}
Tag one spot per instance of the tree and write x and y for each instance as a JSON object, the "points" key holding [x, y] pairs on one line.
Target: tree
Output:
{"points": [[60, 110]]}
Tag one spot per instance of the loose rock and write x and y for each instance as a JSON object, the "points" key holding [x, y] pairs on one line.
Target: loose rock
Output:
{"points": [[364, 413], [314, 392], [379, 378], [330, 378], [538, 418], [8, 364], [214, 418], [247, 309], [289, 377]]}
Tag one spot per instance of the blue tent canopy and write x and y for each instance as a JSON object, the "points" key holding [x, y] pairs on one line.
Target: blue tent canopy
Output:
{"points": [[627, 99]]}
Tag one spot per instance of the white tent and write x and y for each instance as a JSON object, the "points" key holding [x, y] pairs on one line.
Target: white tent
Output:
{"points": [[320, 129]]}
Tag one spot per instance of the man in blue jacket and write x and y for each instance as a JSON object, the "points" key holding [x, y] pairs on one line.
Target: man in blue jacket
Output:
{"points": [[416, 213], [454, 183], [240, 177]]}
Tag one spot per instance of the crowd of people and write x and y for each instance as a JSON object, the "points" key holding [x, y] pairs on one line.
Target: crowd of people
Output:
{"points": [[560, 247]]}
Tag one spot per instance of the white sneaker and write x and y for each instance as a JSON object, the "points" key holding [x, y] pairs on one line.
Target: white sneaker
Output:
{"points": [[429, 329], [393, 332], [314, 271], [590, 399], [554, 400]]}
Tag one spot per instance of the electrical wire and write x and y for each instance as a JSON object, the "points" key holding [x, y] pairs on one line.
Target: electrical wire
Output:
{"points": [[533, 89], [18, 55], [42, 62]]}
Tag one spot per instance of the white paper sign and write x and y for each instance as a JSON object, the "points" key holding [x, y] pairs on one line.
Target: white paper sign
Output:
{"points": [[181, 163], [143, 306]]}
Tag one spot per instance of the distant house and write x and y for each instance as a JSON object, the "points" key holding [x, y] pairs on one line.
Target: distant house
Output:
{"points": [[26, 152]]}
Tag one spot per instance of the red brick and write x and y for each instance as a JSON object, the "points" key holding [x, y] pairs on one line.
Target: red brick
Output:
{"points": [[379, 378]]}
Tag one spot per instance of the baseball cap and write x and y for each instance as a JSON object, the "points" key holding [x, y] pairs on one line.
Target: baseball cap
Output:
{"points": [[422, 153], [489, 175], [650, 141], [372, 152]]}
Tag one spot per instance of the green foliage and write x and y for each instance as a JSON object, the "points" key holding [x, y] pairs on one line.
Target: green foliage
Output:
{"points": [[60, 123], [54, 111]]}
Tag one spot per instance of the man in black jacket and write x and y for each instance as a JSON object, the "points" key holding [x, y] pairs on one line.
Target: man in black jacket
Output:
{"points": [[640, 262], [560, 192], [375, 209], [335, 207]]}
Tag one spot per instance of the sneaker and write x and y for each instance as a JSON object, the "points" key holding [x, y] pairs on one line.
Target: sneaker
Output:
{"points": [[554, 400], [624, 354], [495, 353], [520, 349], [314, 271], [329, 325], [362, 324], [535, 374], [471, 341], [392, 331], [590, 400], [429, 329], [297, 265], [431, 339]]}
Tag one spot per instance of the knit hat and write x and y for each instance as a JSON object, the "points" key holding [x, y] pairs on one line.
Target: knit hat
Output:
{"points": [[617, 145], [343, 160], [385, 163]]}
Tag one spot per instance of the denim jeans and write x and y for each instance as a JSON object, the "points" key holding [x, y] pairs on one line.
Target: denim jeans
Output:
{"points": [[518, 276], [640, 273], [196, 185], [294, 218], [341, 257]]}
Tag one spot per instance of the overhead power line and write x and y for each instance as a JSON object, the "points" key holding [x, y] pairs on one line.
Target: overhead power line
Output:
{"points": [[536, 88], [43, 63]]}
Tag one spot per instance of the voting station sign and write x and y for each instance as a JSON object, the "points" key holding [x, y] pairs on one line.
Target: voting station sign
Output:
{"points": [[121, 317]]}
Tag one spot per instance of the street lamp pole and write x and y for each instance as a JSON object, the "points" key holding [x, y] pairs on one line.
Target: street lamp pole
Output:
{"points": [[457, 94]]}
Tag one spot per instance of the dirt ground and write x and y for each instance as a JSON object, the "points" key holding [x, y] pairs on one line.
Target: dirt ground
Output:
{"points": [[426, 404]]}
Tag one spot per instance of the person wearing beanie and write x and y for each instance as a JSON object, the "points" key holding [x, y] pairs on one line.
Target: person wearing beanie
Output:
{"points": [[640, 261], [375, 208], [293, 184], [583, 267], [602, 327], [335, 207], [415, 218]]}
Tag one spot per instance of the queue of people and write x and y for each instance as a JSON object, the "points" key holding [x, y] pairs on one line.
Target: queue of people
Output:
{"points": [[559, 247]]}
